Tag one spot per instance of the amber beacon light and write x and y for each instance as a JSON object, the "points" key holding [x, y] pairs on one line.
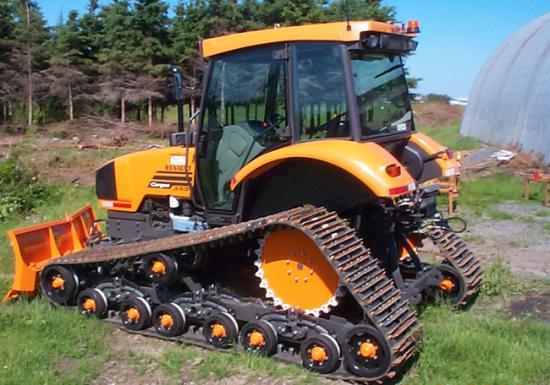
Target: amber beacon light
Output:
{"points": [[413, 27]]}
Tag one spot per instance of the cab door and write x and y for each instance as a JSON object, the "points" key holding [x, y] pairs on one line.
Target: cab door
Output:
{"points": [[244, 105]]}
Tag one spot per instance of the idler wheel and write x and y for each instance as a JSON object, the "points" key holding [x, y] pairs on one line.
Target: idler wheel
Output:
{"points": [[60, 284], [453, 287], [366, 352]]}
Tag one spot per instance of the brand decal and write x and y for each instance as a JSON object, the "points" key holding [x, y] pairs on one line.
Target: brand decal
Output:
{"points": [[159, 185], [171, 167]]}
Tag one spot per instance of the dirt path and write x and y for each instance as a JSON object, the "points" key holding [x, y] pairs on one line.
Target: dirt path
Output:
{"points": [[523, 243]]}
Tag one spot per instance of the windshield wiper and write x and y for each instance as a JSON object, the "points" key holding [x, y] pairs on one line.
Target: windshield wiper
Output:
{"points": [[388, 70]]}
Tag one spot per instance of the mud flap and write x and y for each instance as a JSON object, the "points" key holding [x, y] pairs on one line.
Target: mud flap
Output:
{"points": [[34, 246]]}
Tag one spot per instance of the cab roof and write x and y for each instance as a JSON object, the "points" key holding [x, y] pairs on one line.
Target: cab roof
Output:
{"points": [[314, 32]]}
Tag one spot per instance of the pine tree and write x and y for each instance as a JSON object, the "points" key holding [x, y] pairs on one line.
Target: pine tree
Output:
{"points": [[118, 46], [360, 10], [30, 51], [65, 76], [7, 72], [91, 29], [150, 20]]}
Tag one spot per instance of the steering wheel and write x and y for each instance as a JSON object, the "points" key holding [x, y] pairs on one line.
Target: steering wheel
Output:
{"points": [[271, 124], [324, 127]]}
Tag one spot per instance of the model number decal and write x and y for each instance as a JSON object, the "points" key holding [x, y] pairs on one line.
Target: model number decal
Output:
{"points": [[159, 185], [178, 160]]}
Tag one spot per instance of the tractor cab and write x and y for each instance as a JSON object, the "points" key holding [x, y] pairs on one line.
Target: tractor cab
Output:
{"points": [[270, 89]]}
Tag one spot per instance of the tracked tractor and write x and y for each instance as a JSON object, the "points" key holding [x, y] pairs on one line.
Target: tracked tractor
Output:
{"points": [[291, 221]]}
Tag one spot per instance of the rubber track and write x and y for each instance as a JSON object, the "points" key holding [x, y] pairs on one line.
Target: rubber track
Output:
{"points": [[360, 272], [457, 255]]}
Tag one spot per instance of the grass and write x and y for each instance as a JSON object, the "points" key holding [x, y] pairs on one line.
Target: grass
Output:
{"points": [[43, 345], [480, 348], [449, 136], [483, 193]]}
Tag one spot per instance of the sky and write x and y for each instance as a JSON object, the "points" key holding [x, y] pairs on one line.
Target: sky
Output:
{"points": [[456, 38]]}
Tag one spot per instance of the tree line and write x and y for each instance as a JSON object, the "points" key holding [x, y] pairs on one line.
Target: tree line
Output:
{"points": [[113, 59]]}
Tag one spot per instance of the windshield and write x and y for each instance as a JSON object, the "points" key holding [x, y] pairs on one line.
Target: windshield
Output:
{"points": [[382, 94]]}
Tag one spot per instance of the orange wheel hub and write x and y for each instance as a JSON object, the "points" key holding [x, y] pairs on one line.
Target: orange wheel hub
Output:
{"points": [[295, 273], [447, 284], [158, 267], [318, 354], [58, 283], [218, 331], [89, 305], [133, 314], [368, 350], [256, 339], [166, 321]]}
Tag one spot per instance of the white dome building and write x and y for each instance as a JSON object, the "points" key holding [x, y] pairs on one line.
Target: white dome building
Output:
{"points": [[509, 103]]}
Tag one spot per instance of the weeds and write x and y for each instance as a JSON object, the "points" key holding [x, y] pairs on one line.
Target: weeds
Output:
{"points": [[499, 281], [20, 190]]}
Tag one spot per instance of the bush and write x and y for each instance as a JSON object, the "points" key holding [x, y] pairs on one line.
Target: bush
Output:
{"points": [[20, 190]]}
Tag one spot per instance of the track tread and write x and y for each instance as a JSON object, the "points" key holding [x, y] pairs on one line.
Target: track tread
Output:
{"points": [[365, 279], [456, 254]]}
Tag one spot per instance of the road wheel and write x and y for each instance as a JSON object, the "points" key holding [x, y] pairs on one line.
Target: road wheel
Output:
{"points": [[259, 337], [221, 330], [320, 354], [135, 313], [92, 302], [169, 320], [160, 268]]}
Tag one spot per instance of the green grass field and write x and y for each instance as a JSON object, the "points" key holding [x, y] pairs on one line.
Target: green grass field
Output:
{"points": [[484, 345], [449, 136]]}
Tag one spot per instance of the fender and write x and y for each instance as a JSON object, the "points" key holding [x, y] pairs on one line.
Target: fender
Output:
{"points": [[366, 161], [449, 165]]}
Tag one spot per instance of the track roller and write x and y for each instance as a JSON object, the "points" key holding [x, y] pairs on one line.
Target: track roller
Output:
{"points": [[320, 354], [259, 337], [366, 352], [135, 313], [221, 330], [160, 268], [92, 302], [169, 320], [452, 288], [60, 284]]}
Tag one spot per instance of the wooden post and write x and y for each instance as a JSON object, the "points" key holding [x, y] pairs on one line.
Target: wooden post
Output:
{"points": [[547, 193], [526, 188]]}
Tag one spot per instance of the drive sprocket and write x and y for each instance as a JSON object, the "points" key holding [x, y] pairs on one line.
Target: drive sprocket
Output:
{"points": [[295, 273]]}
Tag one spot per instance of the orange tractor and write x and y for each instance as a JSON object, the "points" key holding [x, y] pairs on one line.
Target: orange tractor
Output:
{"points": [[291, 222]]}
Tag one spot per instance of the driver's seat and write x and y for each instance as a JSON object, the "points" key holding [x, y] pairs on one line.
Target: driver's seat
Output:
{"points": [[235, 148]]}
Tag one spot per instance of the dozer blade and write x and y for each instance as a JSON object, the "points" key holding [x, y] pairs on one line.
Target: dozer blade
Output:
{"points": [[34, 246]]}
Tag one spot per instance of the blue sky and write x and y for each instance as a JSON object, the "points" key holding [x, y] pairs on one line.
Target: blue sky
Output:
{"points": [[457, 36]]}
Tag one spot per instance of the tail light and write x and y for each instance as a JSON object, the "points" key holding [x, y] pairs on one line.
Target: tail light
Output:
{"points": [[393, 170], [450, 153]]}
